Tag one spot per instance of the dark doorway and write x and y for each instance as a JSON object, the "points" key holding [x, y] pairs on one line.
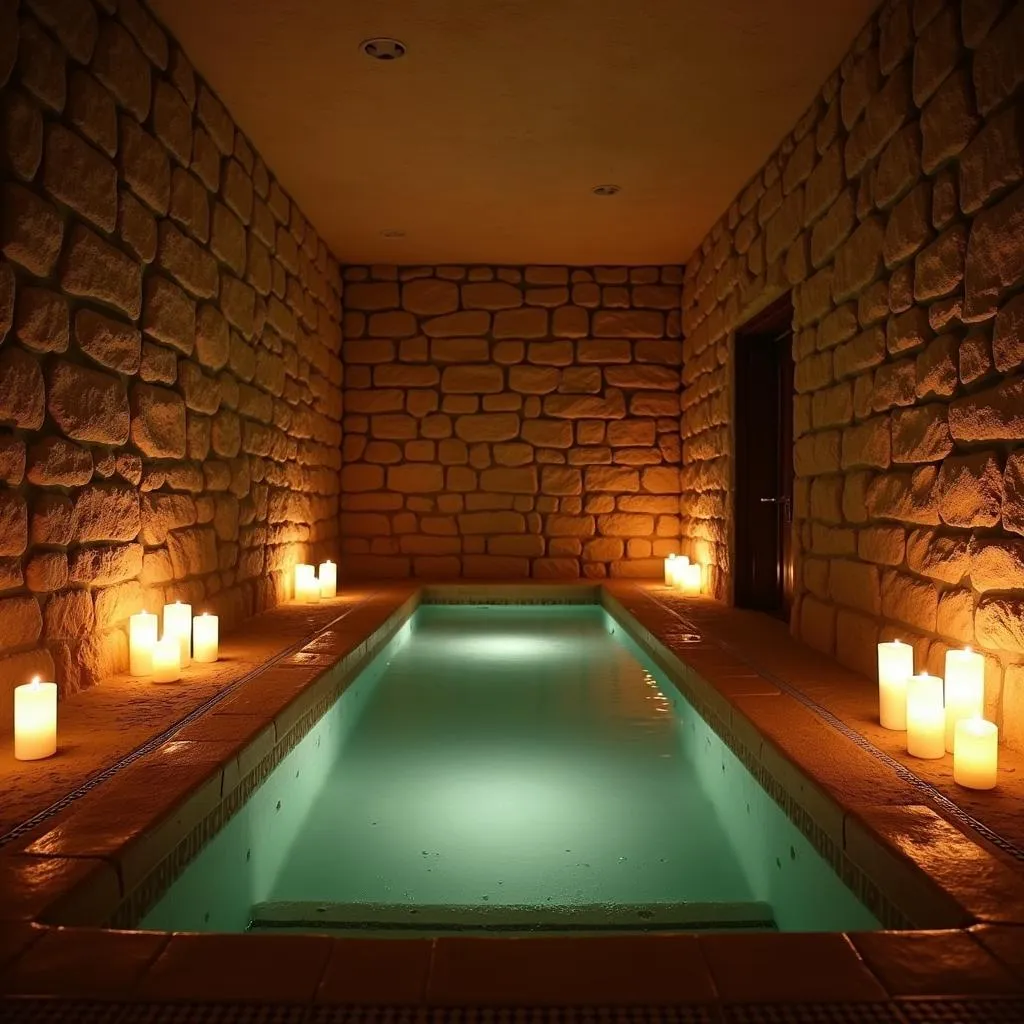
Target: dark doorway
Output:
{"points": [[764, 461]]}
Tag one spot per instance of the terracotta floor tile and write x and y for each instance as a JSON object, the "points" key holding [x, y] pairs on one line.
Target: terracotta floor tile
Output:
{"points": [[980, 882], [84, 962], [845, 770], [947, 963], [82, 888], [377, 972], [612, 971], [1005, 942], [129, 805], [248, 968], [16, 937], [788, 966]]}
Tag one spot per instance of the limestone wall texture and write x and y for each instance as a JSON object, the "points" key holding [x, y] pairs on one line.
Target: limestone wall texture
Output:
{"points": [[895, 212], [510, 422], [169, 347]]}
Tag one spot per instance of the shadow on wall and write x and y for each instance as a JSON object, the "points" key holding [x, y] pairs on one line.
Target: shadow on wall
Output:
{"points": [[506, 422]]}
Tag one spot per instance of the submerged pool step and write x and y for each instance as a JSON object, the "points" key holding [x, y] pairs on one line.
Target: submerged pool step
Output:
{"points": [[361, 917]]}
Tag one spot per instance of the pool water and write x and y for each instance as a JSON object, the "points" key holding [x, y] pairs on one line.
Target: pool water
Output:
{"points": [[509, 768]]}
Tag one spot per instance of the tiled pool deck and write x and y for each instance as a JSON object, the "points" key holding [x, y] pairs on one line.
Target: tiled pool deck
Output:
{"points": [[944, 864]]}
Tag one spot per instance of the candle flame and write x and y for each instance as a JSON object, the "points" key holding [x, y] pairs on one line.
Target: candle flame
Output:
{"points": [[35, 682]]}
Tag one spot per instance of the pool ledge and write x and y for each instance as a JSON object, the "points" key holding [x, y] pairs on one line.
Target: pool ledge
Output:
{"points": [[106, 856]]}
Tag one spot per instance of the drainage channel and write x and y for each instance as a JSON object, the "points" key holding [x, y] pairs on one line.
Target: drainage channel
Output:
{"points": [[902, 771], [157, 741]]}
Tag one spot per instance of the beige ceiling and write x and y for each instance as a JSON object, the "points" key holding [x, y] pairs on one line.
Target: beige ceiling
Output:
{"points": [[482, 144]]}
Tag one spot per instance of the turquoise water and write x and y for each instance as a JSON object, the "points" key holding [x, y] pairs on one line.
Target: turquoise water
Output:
{"points": [[510, 767]]}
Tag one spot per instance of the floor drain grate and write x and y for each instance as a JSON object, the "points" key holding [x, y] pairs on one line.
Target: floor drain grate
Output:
{"points": [[212, 1013], [962, 1011], [514, 1015], [812, 1013]]}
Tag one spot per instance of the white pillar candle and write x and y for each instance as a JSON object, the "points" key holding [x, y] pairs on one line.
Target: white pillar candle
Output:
{"points": [[895, 667], [205, 638], [167, 660], [689, 577], [926, 717], [35, 720], [975, 753], [965, 689], [178, 623], [328, 579], [307, 589], [141, 638], [673, 565]]}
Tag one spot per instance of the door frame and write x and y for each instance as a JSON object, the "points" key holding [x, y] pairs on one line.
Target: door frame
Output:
{"points": [[776, 319]]}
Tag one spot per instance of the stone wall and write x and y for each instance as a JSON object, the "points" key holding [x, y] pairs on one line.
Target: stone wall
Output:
{"points": [[895, 212], [509, 422], [169, 336]]}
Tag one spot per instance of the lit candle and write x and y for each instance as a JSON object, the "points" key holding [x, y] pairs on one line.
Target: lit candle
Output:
{"points": [[141, 638], [328, 578], [895, 667], [926, 717], [307, 589], [205, 638], [672, 566], [167, 660], [35, 720], [965, 689], [975, 753], [689, 577], [178, 623]]}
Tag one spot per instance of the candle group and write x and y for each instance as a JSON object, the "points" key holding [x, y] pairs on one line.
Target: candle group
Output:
{"points": [[190, 637], [683, 574], [940, 716], [313, 584]]}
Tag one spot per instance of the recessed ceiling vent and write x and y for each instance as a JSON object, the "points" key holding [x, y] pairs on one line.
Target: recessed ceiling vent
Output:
{"points": [[606, 190], [383, 48]]}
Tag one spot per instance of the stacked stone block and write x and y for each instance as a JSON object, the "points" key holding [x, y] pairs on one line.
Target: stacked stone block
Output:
{"points": [[170, 375], [510, 422], [895, 213]]}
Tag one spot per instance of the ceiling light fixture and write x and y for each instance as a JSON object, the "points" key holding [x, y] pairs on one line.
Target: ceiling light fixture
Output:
{"points": [[606, 190], [383, 48]]}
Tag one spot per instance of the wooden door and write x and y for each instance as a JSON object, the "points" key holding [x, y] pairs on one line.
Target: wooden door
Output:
{"points": [[763, 570]]}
